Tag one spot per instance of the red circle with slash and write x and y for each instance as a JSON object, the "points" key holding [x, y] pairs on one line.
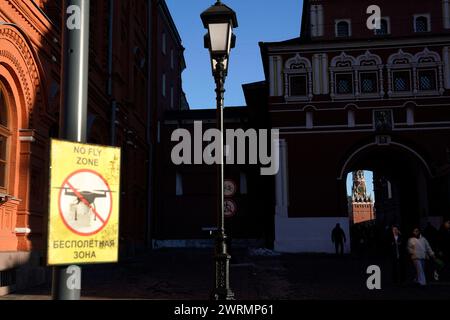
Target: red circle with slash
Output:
{"points": [[230, 208], [71, 184]]}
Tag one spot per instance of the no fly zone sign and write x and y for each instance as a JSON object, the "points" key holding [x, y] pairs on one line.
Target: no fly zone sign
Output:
{"points": [[84, 204]]}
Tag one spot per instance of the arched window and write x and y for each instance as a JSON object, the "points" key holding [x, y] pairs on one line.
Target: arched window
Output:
{"points": [[309, 118], [370, 76], [342, 28], [421, 24], [400, 74], [4, 137], [429, 77], [298, 79], [342, 74]]}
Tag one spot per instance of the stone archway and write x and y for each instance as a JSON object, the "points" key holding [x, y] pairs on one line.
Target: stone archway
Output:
{"points": [[402, 179]]}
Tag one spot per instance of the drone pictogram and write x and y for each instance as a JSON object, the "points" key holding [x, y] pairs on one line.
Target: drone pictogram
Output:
{"points": [[85, 202]]}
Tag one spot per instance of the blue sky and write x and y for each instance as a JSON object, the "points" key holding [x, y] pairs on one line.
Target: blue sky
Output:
{"points": [[258, 21]]}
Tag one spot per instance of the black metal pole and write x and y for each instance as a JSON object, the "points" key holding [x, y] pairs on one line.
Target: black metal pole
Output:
{"points": [[73, 117], [222, 289]]}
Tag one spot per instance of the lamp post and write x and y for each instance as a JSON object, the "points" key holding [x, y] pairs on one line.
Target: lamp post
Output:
{"points": [[220, 20], [66, 283]]}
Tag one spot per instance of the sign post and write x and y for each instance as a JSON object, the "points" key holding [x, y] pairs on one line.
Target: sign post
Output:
{"points": [[73, 117]]}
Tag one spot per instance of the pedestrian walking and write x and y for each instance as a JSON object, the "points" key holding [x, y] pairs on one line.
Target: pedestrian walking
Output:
{"points": [[420, 251], [397, 251], [339, 239]]}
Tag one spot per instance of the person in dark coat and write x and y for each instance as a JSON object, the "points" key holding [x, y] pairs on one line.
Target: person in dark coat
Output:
{"points": [[338, 238], [397, 252]]}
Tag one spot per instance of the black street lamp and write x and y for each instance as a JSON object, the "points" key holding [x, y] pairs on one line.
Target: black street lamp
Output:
{"points": [[220, 20]]}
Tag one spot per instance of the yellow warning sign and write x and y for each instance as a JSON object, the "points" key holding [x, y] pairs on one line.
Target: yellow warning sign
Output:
{"points": [[84, 204]]}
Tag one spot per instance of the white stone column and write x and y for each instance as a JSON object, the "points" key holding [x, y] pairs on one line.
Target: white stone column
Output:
{"points": [[282, 182], [276, 83], [446, 13], [320, 21], [314, 22], [325, 81], [317, 74], [279, 77], [446, 58], [272, 75]]}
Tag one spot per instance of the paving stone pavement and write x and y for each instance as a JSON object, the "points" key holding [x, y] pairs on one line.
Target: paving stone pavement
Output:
{"points": [[175, 274]]}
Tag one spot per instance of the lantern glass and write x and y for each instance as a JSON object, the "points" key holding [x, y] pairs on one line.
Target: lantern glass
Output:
{"points": [[220, 38]]}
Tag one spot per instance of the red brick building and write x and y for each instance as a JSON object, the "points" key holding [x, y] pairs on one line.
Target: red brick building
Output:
{"points": [[123, 87], [349, 98]]}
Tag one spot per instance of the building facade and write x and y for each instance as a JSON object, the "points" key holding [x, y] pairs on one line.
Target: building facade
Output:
{"points": [[187, 196], [347, 98], [122, 83]]}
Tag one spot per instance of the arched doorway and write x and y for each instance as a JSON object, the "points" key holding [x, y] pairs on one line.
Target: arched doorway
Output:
{"points": [[8, 214], [401, 179], [5, 134]]}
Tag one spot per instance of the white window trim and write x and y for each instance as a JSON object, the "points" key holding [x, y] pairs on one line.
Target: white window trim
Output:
{"points": [[377, 67], [414, 66], [335, 69], [288, 72], [391, 68], [388, 20], [336, 22], [289, 96], [426, 15], [437, 65]]}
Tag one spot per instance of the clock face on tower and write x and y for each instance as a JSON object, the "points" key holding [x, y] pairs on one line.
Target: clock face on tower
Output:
{"points": [[360, 189]]}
